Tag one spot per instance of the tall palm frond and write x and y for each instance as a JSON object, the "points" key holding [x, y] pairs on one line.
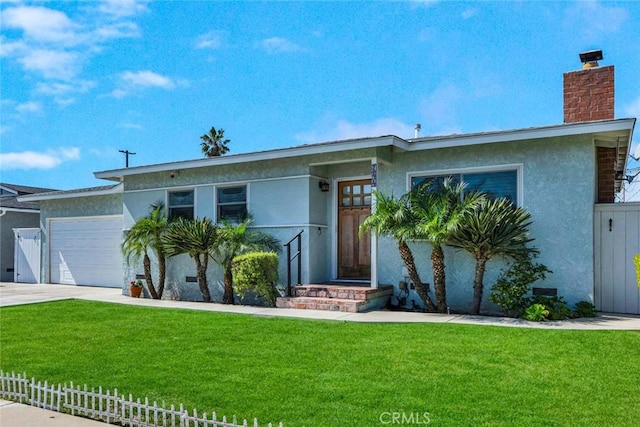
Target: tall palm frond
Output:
{"points": [[146, 235], [213, 143], [393, 217], [440, 208], [197, 238], [494, 227]]}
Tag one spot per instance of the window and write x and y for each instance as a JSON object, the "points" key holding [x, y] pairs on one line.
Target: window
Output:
{"points": [[181, 204], [495, 184], [232, 203]]}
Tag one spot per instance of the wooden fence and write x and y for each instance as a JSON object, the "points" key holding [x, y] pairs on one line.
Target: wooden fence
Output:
{"points": [[106, 406]]}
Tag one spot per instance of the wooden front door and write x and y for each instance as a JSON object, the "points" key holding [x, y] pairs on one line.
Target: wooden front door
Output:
{"points": [[354, 253]]}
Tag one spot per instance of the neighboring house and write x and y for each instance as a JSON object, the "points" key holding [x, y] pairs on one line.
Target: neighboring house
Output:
{"points": [[15, 215], [558, 173]]}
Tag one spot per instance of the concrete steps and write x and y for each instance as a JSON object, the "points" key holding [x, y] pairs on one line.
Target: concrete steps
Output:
{"points": [[337, 297]]}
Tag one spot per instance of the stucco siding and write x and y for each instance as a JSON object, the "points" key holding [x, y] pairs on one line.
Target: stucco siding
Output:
{"points": [[557, 188], [280, 202], [138, 204], [239, 172]]}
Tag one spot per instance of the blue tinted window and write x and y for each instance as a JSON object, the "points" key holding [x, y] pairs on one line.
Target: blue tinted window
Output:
{"points": [[494, 184]]}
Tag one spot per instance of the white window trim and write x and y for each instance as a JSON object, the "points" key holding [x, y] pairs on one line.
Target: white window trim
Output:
{"points": [[518, 167], [230, 185]]}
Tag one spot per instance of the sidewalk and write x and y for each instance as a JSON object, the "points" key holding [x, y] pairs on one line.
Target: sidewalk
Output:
{"points": [[18, 415], [19, 293]]}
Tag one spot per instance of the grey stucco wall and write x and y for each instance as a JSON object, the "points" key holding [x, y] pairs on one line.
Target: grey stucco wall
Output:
{"points": [[8, 222], [557, 182], [558, 189]]}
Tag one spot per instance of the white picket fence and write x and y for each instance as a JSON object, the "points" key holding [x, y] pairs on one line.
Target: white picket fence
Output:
{"points": [[105, 406]]}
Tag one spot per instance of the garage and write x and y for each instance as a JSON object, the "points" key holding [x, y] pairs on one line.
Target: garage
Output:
{"points": [[86, 251]]}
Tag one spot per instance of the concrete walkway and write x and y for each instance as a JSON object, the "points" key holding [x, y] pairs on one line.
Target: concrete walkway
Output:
{"points": [[11, 294], [19, 293]]}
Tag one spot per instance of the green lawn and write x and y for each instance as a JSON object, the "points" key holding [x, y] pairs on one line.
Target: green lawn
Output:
{"points": [[320, 373]]}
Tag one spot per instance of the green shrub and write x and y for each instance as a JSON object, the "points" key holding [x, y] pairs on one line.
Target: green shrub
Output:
{"points": [[256, 272], [557, 306], [585, 309], [536, 313], [513, 284]]}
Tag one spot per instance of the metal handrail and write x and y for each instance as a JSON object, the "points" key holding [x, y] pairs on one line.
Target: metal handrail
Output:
{"points": [[290, 259]]}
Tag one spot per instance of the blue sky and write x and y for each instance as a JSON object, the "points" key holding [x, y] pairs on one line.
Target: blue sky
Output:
{"points": [[82, 80]]}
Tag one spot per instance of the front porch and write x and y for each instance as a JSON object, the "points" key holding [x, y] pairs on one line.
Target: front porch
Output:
{"points": [[337, 297]]}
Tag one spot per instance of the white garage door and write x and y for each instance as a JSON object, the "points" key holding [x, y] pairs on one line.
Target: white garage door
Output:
{"points": [[86, 251]]}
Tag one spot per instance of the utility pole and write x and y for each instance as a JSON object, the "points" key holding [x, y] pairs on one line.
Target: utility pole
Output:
{"points": [[127, 153]]}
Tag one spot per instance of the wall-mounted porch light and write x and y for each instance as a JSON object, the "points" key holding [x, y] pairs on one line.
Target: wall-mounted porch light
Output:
{"points": [[324, 186]]}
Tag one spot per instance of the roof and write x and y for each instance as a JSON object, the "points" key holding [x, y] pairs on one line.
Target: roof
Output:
{"points": [[9, 200], [24, 189], [616, 133], [80, 192]]}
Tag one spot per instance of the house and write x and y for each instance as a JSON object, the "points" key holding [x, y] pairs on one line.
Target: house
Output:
{"points": [[16, 218], [558, 173]]}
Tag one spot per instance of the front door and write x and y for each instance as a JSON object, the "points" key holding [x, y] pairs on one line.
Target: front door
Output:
{"points": [[354, 252]]}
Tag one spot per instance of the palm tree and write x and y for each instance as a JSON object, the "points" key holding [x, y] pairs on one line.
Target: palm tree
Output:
{"points": [[394, 218], [213, 143], [440, 207], [495, 227], [236, 239], [146, 234], [198, 238]]}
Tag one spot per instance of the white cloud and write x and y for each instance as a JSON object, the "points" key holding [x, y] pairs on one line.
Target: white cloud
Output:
{"points": [[128, 125], [343, 129], [122, 8], [118, 30], [29, 107], [469, 13], [279, 45], [440, 109], [52, 64], [594, 18], [427, 3], [63, 88], [40, 23], [55, 46], [34, 160], [147, 78], [130, 81], [211, 40]]}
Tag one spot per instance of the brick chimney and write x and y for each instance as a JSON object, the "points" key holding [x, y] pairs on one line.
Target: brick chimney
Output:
{"points": [[588, 96]]}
